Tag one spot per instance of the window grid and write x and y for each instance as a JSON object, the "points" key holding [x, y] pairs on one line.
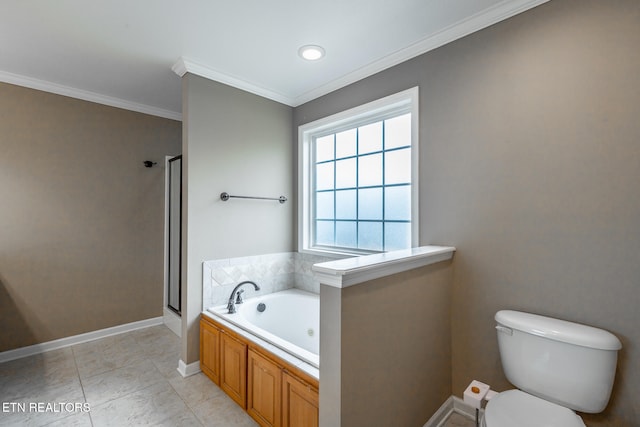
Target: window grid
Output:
{"points": [[383, 186]]}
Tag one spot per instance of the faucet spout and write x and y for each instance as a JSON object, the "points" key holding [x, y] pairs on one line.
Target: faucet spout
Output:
{"points": [[231, 305]]}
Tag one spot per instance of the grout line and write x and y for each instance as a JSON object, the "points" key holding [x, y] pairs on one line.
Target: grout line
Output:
{"points": [[84, 395]]}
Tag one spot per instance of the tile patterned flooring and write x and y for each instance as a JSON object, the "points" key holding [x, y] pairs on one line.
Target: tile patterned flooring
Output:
{"points": [[457, 420], [127, 380]]}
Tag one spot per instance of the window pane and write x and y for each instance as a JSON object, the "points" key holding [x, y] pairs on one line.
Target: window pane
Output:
{"points": [[397, 203], [346, 173], [370, 203], [324, 233], [370, 236], [346, 143], [324, 176], [360, 178], [324, 148], [397, 131], [324, 205], [397, 166], [370, 170], [370, 138], [346, 204], [346, 234], [397, 235]]}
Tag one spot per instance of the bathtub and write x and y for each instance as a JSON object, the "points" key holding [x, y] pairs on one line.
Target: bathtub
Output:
{"points": [[290, 320]]}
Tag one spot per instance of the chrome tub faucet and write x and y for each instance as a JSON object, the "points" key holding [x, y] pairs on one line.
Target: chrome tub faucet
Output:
{"points": [[236, 295]]}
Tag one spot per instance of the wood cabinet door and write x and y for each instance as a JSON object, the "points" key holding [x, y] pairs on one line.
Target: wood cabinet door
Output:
{"points": [[233, 368], [299, 403], [264, 390], [210, 351]]}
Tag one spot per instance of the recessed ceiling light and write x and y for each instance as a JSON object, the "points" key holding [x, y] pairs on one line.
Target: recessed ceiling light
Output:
{"points": [[311, 52]]}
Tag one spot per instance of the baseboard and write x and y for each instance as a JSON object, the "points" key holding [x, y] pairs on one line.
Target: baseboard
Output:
{"points": [[19, 353], [441, 414], [452, 405], [188, 370], [459, 407], [173, 322]]}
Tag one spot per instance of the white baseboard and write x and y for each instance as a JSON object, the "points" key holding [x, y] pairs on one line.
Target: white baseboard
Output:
{"points": [[188, 370], [172, 321], [452, 405], [18, 353]]}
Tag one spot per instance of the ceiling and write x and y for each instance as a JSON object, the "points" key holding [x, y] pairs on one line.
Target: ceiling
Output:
{"points": [[130, 53]]}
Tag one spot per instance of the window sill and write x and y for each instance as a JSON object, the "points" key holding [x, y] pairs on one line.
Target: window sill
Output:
{"points": [[351, 271]]}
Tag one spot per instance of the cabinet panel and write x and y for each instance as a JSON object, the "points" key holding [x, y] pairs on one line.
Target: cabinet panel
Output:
{"points": [[233, 368], [299, 403], [264, 390], [210, 351]]}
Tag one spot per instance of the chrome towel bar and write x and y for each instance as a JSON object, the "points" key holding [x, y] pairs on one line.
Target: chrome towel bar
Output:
{"points": [[226, 196]]}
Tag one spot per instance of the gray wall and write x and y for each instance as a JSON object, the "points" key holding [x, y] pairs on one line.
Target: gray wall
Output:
{"points": [[81, 218], [240, 143], [391, 350], [529, 166]]}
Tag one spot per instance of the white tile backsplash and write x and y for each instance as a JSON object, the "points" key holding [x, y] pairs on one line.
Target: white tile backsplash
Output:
{"points": [[272, 272]]}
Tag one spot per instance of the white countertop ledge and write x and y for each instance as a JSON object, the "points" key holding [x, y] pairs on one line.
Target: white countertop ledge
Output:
{"points": [[351, 271]]}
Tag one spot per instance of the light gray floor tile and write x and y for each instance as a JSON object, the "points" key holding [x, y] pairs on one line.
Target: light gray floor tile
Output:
{"points": [[194, 389], [221, 411], [120, 382], [18, 378], [166, 363], [107, 354], [457, 420], [158, 342], [47, 409], [77, 420], [186, 419], [153, 405], [128, 379]]}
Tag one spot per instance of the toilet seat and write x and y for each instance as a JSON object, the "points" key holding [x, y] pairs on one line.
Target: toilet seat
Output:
{"points": [[517, 408]]}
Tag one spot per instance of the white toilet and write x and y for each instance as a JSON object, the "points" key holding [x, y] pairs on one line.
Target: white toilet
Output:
{"points": [[558, 367]]}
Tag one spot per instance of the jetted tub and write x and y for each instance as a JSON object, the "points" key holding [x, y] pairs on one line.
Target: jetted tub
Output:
{"points": [[290, 320]]}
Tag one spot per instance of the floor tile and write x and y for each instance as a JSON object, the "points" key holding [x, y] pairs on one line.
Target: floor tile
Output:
{"points": [[44, 406], [52, 375], [154, 405], [194, 389], [120, 382], [458, 420], [77, 420], [221, 411], [128, 380], [97, 357]]}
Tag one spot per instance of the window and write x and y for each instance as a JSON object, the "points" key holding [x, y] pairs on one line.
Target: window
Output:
{"points": [[358, 185]]}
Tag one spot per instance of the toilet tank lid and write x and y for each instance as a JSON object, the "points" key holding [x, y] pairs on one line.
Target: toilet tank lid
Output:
{"points": [[559, 330]]}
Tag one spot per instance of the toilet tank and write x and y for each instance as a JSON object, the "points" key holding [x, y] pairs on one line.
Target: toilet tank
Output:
{"points": [[567, 363]]}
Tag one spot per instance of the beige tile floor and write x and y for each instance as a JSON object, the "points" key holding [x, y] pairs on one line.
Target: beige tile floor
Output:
{"points": [[457, 420], [127, 380]]}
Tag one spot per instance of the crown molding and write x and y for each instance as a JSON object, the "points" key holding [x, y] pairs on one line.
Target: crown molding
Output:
{"points": [[477, 22], [85, 95], [185, 65], [501, 11]]}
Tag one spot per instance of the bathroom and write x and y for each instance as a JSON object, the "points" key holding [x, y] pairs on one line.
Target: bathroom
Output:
{"points": [[529, 166]]}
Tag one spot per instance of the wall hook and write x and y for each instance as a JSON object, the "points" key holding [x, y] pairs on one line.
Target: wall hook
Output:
{"points": [[149, 163]]}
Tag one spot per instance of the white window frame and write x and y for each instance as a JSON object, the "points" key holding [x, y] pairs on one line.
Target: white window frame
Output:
{"points": [[405, 100]]}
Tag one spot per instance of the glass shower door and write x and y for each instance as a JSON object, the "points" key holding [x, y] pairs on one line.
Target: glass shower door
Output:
{"points": [[175, 234]]}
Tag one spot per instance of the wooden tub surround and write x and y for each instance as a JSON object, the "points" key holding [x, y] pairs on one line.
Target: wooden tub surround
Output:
{"points": [[274, 392]]}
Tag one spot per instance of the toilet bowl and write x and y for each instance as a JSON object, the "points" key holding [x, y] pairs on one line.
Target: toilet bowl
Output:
{"points": [[516, 408], [558, 367]]}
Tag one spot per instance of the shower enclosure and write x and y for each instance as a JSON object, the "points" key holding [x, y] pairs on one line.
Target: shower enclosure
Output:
{"points": [[174, 209]]}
